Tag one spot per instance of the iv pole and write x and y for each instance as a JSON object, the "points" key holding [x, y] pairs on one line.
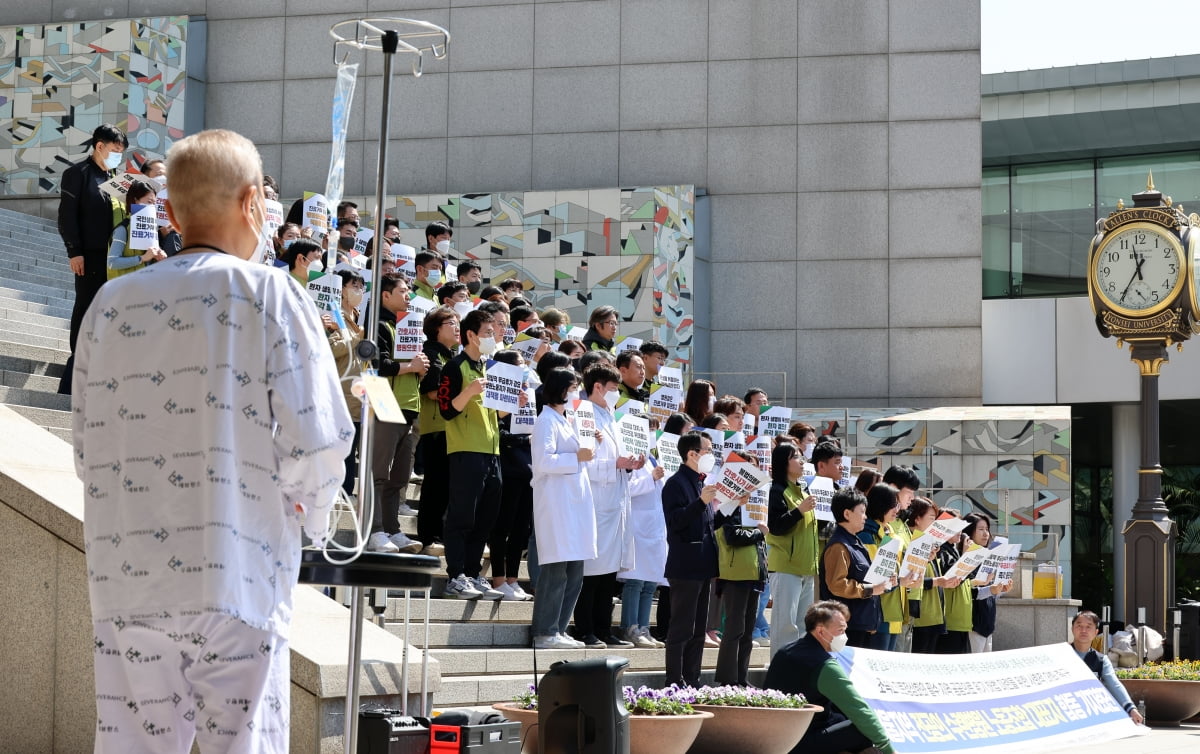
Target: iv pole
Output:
{"points": [[389, 36]]}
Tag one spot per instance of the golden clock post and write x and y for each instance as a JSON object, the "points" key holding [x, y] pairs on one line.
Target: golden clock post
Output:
{"points": [[1142, 287]]}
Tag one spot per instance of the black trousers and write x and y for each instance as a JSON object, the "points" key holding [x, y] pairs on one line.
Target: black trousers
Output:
{"points": [[435, 489], [471, 509], [510, 534], [87, 285], [662, 618], [594, 608], [740, 602], [835, 735], [925, 638], [685, 638]]}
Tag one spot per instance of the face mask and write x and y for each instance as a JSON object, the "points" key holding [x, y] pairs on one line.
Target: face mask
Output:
{"points": [[443, 247], [712, 401], [462, 308], [474, 287], [562, 332], [434, 277], [289, 242], [838, 643], [345, 243], [113, 161], [610, 399], [706, 463], [808, 449], [353, 297], [487, 346], [263, 240], [575, 363]]}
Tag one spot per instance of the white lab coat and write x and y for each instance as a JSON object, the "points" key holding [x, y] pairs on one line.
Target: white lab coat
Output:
{"points": [[647, 528], [610, 493], [564, 517]]}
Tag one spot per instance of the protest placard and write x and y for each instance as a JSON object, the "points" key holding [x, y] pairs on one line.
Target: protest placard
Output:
{"points": [[1008, 563], [575, 332], [667, 445], [718, 451], [405, 259], [143, 227], [526, 416], [1017, 701], [664, 401], [774, 420], [970, 560], [921, 550], [627, 343], [671, 377], [885, 564], [585, 423], [527, 345], [421, 306], [734, 442], [633, 434], [382, 399], [847, 461], [361, 239], [274, 218], [316, 213], [160, 208], [821, 488], [410, 336], [326, 290], [630, 406], [740, 477], [510, 336], [117, 186], [505, 383]]}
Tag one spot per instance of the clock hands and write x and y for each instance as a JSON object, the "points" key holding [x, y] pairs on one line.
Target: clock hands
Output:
{"points": [[1137, 275]]}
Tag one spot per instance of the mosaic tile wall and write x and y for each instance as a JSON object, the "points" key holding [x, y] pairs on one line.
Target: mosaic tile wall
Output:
{"points": [[1011, 463], [576, 250], [59, 81]]}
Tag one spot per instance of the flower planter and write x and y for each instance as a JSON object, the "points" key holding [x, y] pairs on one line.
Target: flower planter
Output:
{"points": [[752, 730], [648, 734], [1167, 702]]}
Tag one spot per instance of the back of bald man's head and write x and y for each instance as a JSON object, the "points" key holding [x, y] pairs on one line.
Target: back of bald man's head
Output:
{"points": [[211, 172]]}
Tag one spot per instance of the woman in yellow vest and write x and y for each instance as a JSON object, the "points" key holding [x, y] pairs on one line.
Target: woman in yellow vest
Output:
{"points": [[792, 546], [122, 259], [925, 600], [883, 504]]}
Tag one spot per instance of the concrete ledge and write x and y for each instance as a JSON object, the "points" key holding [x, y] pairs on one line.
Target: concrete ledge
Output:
{"points": [[1029, 623]]}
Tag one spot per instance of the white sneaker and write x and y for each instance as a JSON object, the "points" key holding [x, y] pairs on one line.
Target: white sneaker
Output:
{"points": [[519, 593], [509, 594], [485, 589], [571, 643], [380, 542], [546, 642], [461, 588], [405, 510], [645, 631], [435, 549], [404, 544], [634, 634]]}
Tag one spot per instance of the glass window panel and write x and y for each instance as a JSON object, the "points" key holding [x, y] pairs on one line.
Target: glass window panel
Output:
{"points": [[1176, 175], [997, 262], [1053, 221]]}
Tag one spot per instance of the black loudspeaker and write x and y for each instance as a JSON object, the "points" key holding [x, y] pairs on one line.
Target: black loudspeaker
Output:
{"points": [[1189, 631], [581, 708]]}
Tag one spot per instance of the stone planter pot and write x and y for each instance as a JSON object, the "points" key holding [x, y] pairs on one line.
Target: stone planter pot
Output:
{"points": [[648, 734], [1167, 702], [752, 730]]}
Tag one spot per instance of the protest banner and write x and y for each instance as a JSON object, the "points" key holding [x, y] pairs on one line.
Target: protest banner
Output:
{"points": [[326, 290], [1008, 563], [1017, 701], [143, 227], [585, 423], [627, 343], [160, 208], [664, 401], [316, 214], [821, 488], [361, 239], [920, 551], [575, 332], [527, 345], [667, 444], [885, 564], [274, 218], [410, 336], [633, 434], [117, 186], [526, 416], [505, 383], [970, 560], [671, 377], [774, 420], [739, 477], [420, 305]]}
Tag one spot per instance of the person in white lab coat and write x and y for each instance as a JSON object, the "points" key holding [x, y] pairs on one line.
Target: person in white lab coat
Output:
{"points": [[608, 473], [209, 426], [564, 517], [648, 533]]}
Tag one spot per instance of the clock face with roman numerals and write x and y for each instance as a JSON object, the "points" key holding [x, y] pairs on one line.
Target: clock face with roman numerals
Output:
{"points": [[1138, 268]]}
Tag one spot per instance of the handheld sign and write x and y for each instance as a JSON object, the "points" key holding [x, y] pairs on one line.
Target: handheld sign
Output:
{"points": [[671, 377], [510, 336], [759, 446], [522, 422], [160, 203], [821, 489], [117, 186], [847, 461], [1008, 563], [143, 227], [738, 478], [382, 399], [326, 290], [664, 401], [575, 332], [667, 444], [735, 442], [970, 560], [274, 216], [885, 564], [361, 239], [626, 343], [527, 345], [420, 306], [410, 336], [316, 213], [774, 420], [633, 435], [585, 423], [405, 258], [630, 406], [505, 383]]}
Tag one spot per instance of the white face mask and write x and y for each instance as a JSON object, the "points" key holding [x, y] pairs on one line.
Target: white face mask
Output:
{"points": [[487, 346], [113, 161], [712, 401], [434, 277], [807, 448], [463, 308], [443, 247], [706, 463], [838, 643], [748, 423], [611, 398]]}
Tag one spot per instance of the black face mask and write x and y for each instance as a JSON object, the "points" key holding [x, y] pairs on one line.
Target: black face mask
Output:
{"points": [[346, 243], [575, 363], [474, 287]]}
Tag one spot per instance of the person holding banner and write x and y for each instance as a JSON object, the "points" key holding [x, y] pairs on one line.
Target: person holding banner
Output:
{"points": [[1085, 626], [882, 506], [125, 256], [563, 514], [602, 330], [808, 667], [742, 568], [691, 556], [792, 545], [168, 237], [983, 607], [844, 566], [926, 601]]}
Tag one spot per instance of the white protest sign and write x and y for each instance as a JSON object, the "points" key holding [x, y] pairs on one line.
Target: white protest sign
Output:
{"points": [[633, 435], [627, 343], [821, 489], [718, 451], [118, 185], [510, 336], [735, 442], [738, 478], [160, 203], [143, 227], [920, 550], [405, 258], [527, 345], [970, 560], [667, 444], [575, 332], [361, 239], [630, 406], [327, 292], [316, 212], [585, 423], [774, 420], [420, 305], [946, 526], [885, 564], [671, 377], [505, 383], [522, 422], [846, 463], [410, 336], [664, 401], [274, 216], [759, 446], [1008, 563]]}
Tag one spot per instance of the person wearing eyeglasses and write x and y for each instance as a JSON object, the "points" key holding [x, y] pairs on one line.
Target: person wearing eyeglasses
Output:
{"points": [[602, 330]]}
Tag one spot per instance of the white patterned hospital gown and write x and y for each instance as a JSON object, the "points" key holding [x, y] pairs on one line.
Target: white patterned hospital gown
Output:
{"points": [[209, 425]]}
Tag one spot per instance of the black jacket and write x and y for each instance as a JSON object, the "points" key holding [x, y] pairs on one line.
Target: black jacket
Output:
{"points": [[593, 341], [85, 214], [691, 548]]}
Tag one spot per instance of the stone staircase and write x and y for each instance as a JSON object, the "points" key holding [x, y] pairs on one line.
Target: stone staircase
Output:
{"points": [[36, 295]]}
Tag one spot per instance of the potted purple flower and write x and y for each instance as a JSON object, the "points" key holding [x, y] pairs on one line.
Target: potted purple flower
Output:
{"points": [[751, 721]]}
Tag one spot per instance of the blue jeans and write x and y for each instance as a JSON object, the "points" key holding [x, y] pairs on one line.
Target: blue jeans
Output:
{"points": [[883, 640], [636, 599], [558, 588], [761, 626]]}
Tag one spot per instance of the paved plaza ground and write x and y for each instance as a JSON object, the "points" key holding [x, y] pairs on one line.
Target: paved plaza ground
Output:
{"points": [[1185, 738]]}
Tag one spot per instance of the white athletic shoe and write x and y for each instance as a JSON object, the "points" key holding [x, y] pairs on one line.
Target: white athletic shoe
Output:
{"points": [[645, 631], [634, 634], [520, 593], [461, 588], [405, 510], [380, 542], [485, 589], [571, 643], [404, 544], [509, 594]]}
